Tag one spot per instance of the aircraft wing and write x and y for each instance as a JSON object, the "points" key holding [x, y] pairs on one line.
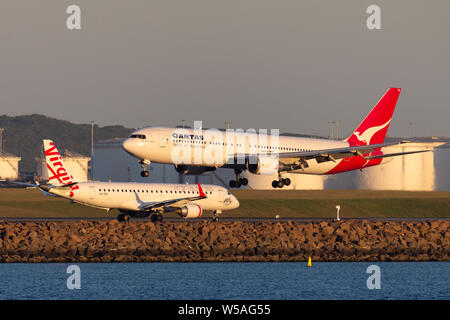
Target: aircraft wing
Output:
{"points": [[328, 154], [179, 201], [393, 154], [335, 153], [340, 153]]}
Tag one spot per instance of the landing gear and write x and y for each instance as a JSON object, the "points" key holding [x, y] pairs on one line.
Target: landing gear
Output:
{"points": [[123, 217], [281, 182], [239, 181], [156, 217], [144, 163], [216, 215]]}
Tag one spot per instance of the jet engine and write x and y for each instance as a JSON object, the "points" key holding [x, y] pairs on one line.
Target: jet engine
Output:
{"points": [[265, 165], [194, 170], [190, 211]]}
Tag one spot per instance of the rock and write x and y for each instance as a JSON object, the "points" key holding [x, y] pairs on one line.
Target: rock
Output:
{"points": [[104, 241]]}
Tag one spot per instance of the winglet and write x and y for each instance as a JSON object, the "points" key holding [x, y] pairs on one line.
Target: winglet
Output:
{"points": [[200, 191]]}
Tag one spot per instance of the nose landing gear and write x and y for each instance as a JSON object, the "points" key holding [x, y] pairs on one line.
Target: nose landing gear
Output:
{"points": [[144, 163], [216, 214]]}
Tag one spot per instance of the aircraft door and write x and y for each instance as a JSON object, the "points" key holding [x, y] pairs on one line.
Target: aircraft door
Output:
{"points": [[152, 138], [163, 141], [91, 192], [221, 195]]}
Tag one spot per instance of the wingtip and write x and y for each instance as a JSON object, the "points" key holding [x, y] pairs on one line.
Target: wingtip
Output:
{"points": [[200, 190]]}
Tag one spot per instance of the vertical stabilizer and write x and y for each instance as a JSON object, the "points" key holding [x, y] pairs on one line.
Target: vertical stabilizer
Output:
{"points": [[375, 125], [57, 172]]}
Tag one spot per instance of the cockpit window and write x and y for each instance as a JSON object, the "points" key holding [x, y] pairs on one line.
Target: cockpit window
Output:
{"points": [[138, 136]]}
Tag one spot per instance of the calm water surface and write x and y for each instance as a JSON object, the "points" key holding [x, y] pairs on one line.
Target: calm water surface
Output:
{"points": [[408, 280]]}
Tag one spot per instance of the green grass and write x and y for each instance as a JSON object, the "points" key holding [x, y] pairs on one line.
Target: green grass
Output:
{"points": [[321, 204]]}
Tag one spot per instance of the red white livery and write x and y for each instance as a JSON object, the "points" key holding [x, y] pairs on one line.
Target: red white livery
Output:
{"points": [[266, 154]]}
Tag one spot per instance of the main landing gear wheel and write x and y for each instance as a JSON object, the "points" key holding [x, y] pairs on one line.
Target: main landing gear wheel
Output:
{"points": [[239, 181], [156, 217], [145, 173], [123, 217], [281, 183]]}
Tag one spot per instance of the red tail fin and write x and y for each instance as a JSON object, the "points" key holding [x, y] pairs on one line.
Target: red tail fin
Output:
{"points": [[200, 191], [373, 128]]}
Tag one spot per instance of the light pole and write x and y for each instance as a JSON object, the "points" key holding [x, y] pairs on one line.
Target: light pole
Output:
{"points": [[92, 150], [1, 140], [332, 124]]}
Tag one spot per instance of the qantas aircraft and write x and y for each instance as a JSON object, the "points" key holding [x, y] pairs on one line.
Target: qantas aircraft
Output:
{"points": [[134, 199], [267, 154]]}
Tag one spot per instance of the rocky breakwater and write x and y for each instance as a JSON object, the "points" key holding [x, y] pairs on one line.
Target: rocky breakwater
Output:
{"points": [[137, 241]]}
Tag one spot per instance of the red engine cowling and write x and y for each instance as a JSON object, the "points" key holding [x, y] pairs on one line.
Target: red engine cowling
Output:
{"points": [[190, 211]]}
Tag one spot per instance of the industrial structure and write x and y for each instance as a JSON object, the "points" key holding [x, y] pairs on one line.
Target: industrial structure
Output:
{"points": [[9, 164]]}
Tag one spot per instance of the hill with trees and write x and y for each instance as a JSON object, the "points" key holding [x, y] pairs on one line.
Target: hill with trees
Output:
{"points": [[23, 136]]}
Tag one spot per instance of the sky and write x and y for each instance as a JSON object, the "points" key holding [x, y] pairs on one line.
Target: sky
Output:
{"points": [[288, 64]]}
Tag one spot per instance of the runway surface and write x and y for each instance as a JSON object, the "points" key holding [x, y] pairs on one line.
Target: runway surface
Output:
{"points": [[225, 219]]}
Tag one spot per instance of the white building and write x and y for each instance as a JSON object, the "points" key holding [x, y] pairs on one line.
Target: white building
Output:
{"points": [[9, 167], [76, 164], [423, 171]]}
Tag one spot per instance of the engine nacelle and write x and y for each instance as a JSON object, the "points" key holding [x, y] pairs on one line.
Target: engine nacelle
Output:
{"points": [[195, 170], [190, 211], [265, 165]]}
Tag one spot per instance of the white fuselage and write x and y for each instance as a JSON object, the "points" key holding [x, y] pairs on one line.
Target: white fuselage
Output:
{"points": [[163, 145], [133, 196]]}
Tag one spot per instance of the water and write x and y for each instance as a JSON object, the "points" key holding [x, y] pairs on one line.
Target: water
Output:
{"points": [[399, 280]]}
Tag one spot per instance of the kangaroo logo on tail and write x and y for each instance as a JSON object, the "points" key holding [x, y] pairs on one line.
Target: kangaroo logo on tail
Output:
{"points": [[367, 135], [58, 175], [373, 129]]}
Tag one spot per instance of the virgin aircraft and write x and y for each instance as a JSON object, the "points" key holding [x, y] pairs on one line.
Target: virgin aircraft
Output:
{"points": [[134, 199], [268, 154]]}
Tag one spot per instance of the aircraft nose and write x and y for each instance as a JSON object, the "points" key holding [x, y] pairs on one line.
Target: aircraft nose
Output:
{"points": [[235, 203], [129, 146]]}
